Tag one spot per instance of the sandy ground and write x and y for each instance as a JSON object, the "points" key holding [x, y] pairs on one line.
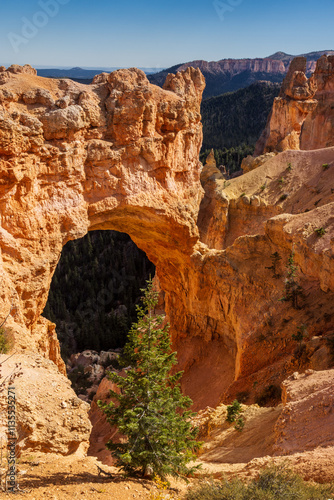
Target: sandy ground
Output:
{"points": [[43, 476], [52, 476], [226, 452]]}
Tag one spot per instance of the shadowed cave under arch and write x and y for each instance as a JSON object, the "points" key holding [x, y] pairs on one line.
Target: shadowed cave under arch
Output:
{"points": [[94, 291]]}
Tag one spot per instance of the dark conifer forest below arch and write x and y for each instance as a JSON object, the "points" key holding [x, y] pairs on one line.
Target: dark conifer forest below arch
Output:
{"points": [[95, 289]]}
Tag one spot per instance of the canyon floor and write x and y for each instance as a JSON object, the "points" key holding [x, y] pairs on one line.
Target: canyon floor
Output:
{"points": [[226, 453], [52, 476]]}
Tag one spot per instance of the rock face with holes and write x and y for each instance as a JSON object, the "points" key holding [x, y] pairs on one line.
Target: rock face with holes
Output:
{"points": [[122, 154], [303, 115]]}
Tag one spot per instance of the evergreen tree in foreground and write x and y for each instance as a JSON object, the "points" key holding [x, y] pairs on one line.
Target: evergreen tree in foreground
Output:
{"points": [[150, 410]]}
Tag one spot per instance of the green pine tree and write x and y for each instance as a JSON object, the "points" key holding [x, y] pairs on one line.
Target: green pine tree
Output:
{"points": [[150, 410], [293, 289]]}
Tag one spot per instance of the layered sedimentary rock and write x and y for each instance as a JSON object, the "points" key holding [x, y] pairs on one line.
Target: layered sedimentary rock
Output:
{"points": [[303, 115], [120, 154], [123, 154], [227, 75]]}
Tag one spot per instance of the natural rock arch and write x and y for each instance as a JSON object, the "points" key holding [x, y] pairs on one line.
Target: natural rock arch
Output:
{"points": [[123, 154], [120, 154]]}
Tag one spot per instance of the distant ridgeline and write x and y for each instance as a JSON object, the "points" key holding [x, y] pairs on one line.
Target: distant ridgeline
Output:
{"points": [[95, 289], [228, 75], [81, 75]]}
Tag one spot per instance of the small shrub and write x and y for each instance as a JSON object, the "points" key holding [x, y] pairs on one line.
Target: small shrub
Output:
{"points": [[293, 289], [289, 167], [6, 341], [279, 483], [233, 415], [283, 196], [281, 181], [301, 333], [233, 411], [263, 187], [222, 490], [242, 195], [320, 231], [240, 423], [273, 483], [162, 493], [325, 166]]}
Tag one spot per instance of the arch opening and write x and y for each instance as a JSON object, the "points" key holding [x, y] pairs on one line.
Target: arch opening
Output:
{"points": [[94, 291]]}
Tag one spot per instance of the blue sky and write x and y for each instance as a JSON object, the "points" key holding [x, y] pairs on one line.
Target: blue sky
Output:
{"points": [[144, 33]]}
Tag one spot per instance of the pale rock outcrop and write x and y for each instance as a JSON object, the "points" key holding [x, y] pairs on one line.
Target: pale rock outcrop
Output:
{"points": [[49, 416], [307, 419], [251, 162]]}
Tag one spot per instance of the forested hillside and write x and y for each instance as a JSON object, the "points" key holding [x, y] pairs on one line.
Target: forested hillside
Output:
{"points": [[233, 122]]}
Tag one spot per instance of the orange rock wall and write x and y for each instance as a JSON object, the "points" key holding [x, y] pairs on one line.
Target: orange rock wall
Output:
{"points": [[302, 116], [119, 154]]}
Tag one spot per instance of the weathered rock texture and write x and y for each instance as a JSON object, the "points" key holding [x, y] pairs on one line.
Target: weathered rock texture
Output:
{"points": [[233, 300], [303, 115], [307, 419], [102, 432], [49, 416], [123, 154], [120, 154]]}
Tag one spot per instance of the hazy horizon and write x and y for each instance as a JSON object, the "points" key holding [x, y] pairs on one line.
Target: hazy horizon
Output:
{"points": [[69, 33]]}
